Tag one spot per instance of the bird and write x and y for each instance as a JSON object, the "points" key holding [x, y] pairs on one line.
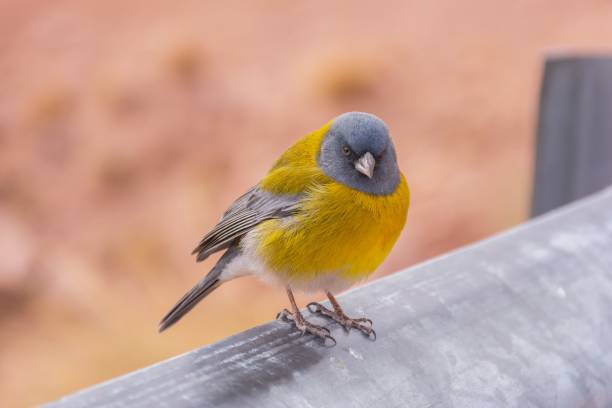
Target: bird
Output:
{"points": [[323, 218]]}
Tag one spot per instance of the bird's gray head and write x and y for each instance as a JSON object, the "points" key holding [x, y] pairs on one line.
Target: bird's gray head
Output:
{"points": [[358, 152]]}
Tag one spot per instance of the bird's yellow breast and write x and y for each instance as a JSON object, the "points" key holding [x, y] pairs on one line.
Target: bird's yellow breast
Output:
{"points": [[337, 229]]}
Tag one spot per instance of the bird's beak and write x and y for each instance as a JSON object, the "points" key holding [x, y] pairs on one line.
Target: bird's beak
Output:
{"points": [[365, 164]]}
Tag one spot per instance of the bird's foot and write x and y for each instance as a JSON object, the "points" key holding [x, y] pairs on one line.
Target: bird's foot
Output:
{"points": [[305, 326], [363, 324]]}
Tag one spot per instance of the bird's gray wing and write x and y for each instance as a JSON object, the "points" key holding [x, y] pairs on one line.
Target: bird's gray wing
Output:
{"points": [[244, 214]]}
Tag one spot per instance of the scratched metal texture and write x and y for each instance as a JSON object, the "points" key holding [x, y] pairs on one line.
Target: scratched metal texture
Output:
{"points": [[574, 143], [523, 319]]}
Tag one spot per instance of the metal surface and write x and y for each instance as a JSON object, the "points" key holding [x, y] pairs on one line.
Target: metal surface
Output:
{"points": [[574, 144], [523, 319]]}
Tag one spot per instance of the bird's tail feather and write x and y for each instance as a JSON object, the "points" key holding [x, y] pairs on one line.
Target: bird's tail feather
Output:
{"points": [[190, 299], [203, 288]]}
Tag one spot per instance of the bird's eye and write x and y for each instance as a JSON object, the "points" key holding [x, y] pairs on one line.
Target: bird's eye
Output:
{"points": [[346, 150]]}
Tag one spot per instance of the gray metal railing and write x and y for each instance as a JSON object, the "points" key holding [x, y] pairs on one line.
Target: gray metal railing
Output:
{"points": [[523, 319]]}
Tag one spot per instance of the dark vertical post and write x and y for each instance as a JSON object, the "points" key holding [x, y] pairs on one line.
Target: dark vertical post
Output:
{"points": [[574, 140]]}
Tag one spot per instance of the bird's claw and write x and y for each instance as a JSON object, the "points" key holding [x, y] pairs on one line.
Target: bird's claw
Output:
{"points": [[363, 324], [317, 307], [305, 326], [284, 315]]}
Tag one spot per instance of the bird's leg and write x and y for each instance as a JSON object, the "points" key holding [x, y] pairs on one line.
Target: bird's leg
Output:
{"points": [[362, 324], [302, 324]]}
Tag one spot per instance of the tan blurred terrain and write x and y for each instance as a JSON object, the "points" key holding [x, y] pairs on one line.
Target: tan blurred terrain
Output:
{"points": [[126, 128]]}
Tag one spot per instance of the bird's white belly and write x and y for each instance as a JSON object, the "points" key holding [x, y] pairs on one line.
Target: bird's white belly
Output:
{"points": [[250, 263]]}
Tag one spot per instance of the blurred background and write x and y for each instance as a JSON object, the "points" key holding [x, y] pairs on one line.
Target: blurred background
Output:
{"points": [[126, 128]]}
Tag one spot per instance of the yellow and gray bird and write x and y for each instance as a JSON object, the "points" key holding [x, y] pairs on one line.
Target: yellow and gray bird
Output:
{"points": [[324, 217]]}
